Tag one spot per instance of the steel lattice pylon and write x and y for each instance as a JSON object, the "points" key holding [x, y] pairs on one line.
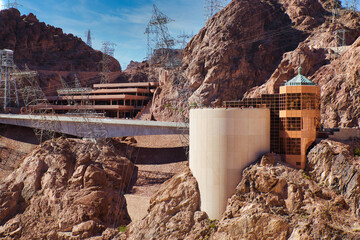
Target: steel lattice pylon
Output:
{"points": [[108, 50], [9, 91], [211, 7], [183, 39], [352, 5], [159, 42], [83, 107], [12, 4], [35, 101]]}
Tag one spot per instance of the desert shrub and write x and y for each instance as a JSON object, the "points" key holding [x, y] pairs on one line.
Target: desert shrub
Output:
{"points": [[357, 152], [122, 228]]}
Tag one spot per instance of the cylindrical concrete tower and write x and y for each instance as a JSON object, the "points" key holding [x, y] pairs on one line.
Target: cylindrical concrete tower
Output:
{"points": [[222, 143]]}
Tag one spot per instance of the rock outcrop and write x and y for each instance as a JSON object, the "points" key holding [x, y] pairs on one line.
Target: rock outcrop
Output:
{"points": [[336, 74], [65, 189], [236, 50], [278, 201], [44, 47], [272, 201], [335, 166], [334, 69], [340, 81], [236, 56], [171, 212], [239, 48]]}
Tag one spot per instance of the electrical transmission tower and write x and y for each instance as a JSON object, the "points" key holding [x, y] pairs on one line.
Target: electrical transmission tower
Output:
{"points": [[35, 103], [340, 37], [183, 39], [339, 33], [335, 10], [108, 50], [352, 5], [77, 82], [211, 7], [7, 81], [159, 41], [13, 4], [88, 38]]}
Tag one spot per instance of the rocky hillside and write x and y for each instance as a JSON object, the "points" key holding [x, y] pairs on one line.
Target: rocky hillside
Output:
{"points": [[334, 69], [251, 47], [238, 48], [65, 189], [44, 47], [340, 81], [52, 54], [272, 201]]}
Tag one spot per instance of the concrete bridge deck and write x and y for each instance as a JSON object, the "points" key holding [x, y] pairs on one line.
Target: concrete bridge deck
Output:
{"points": [[94, 127]]}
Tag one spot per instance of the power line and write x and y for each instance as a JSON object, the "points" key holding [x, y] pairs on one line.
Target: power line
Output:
{"points": [[183, 39], [211, 7], [259, 37], [159, 42]]}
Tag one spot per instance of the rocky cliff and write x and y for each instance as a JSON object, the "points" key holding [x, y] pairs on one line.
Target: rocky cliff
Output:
{"points": [[44, 47], [252, 47], [52, 54], [272, 201], [238, 48], [65, 189], [333, 68], [340, 81]]}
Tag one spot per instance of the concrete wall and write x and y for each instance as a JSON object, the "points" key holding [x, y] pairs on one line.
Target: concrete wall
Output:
{"points": [[222, 143], [346, 134]]}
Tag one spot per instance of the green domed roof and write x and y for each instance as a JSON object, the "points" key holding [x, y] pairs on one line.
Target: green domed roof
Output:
{"points": [[299, 80]]}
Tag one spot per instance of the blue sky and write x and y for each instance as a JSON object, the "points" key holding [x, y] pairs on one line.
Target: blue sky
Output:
{"points": [[122, 22]]}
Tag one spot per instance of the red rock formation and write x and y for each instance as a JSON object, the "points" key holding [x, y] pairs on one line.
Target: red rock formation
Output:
{"points": [[334, 71], [44, 47], [340, 81], [171, 211], [272, 201], [67, 188], [235, 53], [137, 72], [239, 48]]}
